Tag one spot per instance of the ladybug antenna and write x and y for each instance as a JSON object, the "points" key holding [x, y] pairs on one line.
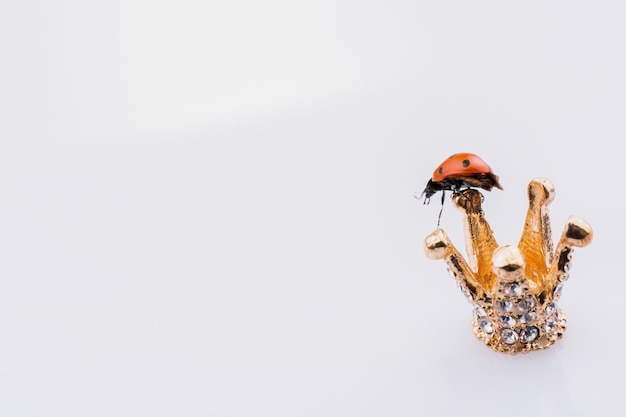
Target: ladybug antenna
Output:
{"points": [[443, 198], [421, 196]]}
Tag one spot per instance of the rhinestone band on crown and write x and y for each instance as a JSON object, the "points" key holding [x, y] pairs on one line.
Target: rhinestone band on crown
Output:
{"points": [[514, 290]]}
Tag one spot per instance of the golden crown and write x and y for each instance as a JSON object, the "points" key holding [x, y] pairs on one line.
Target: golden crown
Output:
{"points": [[514, 290]]}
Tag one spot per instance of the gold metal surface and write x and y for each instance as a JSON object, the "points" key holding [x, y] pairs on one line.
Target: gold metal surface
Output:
{"points": [[514, 289]]}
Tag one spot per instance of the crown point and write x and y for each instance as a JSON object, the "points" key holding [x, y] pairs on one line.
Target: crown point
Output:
{"points": [[578, 232]]}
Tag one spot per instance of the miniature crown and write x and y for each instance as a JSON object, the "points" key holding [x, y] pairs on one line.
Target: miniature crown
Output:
{"points": [[514, 290]]}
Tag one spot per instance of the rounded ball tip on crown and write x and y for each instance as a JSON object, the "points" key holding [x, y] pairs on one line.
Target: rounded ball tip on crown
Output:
{"points": [[507, 262], [436, 245], [541, 190], [578, 232]]}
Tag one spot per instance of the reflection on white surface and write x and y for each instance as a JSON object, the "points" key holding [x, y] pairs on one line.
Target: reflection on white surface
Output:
{"points": [[206, 208]]}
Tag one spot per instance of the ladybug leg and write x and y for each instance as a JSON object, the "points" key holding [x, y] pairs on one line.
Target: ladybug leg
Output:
{"points": [[464, 192], [457, 190]]}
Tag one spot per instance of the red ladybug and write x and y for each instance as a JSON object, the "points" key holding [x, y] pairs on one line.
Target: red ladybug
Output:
{"points": [[461, 170]]}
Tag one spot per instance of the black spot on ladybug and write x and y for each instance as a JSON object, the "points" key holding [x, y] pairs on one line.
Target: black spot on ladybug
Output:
{"points": [[440, 170], [465, 163]]}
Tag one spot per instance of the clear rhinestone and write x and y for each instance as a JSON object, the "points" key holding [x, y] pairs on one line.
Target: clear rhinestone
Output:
{"points": [[551, 308], [507, 321], [551, 324], [508, 336], [525, 305], [480, 312], [528, 334], [466, 293], [566, 267], [486, 326], [528, 317], [451, 273], [504, 306], [557, 291], [563, 276], [513, 289]]}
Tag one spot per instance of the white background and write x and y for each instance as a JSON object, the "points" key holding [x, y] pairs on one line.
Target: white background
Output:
{"points": [[206, 208]]}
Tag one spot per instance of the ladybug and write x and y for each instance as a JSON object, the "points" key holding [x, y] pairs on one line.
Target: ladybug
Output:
{"points": [[460, 171]]}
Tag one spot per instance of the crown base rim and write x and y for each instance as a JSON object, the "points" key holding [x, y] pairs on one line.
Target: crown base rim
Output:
{"points": [[544, 340]]}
